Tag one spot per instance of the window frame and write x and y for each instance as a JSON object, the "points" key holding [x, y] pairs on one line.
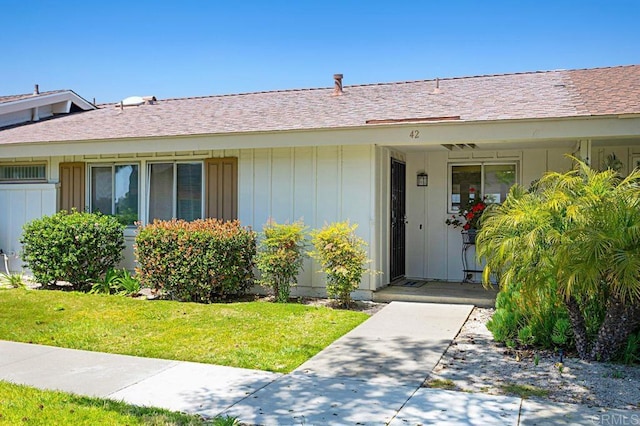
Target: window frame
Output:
{"points": [[174, 201], [113, 166], [482, 165], [25, 180]]}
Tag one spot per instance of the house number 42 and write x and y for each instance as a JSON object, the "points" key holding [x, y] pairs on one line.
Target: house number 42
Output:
{"points": [[414, 134]]}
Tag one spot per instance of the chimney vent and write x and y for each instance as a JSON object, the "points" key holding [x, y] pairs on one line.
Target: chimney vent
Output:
{"points": [[36, 90], [337, 87]]}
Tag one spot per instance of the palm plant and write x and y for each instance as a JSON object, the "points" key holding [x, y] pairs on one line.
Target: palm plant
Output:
{"points": [[578, 231]]}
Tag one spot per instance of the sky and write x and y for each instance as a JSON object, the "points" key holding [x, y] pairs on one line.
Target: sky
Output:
{"points": [[112, 49]]}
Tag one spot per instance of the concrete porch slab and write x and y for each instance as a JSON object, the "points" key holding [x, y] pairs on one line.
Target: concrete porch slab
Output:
{"points": [[454, 293]]}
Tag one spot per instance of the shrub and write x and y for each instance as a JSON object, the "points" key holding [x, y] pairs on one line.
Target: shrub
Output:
{"points": [[280, 257], [342, 256], [529, 317], [75, 247], [574, 236], [200, 261]]}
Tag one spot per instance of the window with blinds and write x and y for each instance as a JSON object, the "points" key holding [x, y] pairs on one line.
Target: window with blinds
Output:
{"points": [[23, 172]]}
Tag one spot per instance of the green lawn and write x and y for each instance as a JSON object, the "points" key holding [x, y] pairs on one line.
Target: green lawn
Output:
{"points": [[258, 335], [26, 405]]}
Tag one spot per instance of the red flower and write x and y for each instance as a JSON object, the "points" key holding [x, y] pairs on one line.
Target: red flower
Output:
{"points": [[469, 216], [472, 190], [466, 227]]}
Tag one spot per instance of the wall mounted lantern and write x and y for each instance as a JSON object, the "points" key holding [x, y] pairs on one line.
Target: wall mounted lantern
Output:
{"points": [[423, 179]]}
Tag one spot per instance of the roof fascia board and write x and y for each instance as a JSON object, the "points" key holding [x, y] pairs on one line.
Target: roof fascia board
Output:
{"points": [[390, 135], [42, 100]]}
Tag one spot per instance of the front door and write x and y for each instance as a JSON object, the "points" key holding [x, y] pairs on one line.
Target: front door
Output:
{"points": [[398, 218]]}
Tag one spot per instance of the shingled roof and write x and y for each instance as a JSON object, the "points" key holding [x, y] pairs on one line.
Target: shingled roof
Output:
{"points": [[533, 95]]}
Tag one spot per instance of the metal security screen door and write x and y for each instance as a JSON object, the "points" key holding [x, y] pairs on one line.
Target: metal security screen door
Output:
{"points": [[398, 219]]}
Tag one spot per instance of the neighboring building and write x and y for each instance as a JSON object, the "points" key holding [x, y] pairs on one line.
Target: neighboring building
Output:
{"points": [[36, 106], [325, 155]]}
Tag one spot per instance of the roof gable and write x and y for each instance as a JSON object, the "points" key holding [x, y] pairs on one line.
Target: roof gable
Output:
{"points": [[24, 108]]}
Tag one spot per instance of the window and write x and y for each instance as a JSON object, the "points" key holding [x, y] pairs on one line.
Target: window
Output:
{"points": [[490, 180], [175, 191], [23, 173], [114, 191]]}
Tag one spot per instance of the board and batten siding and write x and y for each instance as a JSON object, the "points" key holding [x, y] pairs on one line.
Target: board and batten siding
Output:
{"points": [[315, 184], [433, 248], [22, 203]]}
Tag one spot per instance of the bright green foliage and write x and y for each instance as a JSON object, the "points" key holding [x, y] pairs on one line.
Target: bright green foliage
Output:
{"points": [[107, 284], [127, 285], [527, 318], [280, 257], [576, 234], [75, 247], [200, 261], [343, 257], [117, 282], [26, 405], [257, 335], [15, 280]]}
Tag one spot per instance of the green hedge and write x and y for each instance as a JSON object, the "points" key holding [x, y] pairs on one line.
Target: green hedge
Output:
{"points": [[199, 261], [74, 247], [343, 258], [280, 257]]}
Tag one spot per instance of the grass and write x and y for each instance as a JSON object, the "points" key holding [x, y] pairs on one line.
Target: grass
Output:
{"points": [[25, 405], [441, 384], [257, 335], [524, 391]]}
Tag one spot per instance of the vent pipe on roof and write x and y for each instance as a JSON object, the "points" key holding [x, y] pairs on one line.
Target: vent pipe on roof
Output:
{"points": [[36, 90], [437, 89], [337, 86]]}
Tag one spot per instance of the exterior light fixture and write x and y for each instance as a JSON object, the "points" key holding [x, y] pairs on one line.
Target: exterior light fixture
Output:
{"points": [[423, 179]]}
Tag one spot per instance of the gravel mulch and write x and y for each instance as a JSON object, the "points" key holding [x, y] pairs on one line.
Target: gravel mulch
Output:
{"points": [[475, 363]]}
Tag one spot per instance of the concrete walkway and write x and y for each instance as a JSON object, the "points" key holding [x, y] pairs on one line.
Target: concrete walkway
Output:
{"points": [[372, 375]]}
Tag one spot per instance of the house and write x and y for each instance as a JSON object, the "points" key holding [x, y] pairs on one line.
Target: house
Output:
{"points": [[359, 152]]}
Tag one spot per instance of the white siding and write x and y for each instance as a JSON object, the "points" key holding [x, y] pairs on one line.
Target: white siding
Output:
{"points": [[435, 251], [21, 204], [318, 185]]}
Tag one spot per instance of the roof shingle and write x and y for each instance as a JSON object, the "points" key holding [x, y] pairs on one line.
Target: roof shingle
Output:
{"points": [[535, 95]]}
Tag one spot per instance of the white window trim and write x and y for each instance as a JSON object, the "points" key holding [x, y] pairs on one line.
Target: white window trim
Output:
{"points": [[174, 201], [482, 165], [113, 166]]}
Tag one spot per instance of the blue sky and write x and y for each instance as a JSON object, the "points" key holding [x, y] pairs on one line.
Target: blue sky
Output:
{"points": [[109, 50]]}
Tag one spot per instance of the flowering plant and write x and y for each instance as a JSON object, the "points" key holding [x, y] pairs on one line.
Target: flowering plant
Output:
{"points": [[469, 216]]}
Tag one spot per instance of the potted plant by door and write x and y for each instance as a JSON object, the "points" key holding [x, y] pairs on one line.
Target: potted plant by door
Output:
{"points": [[468, 218]]}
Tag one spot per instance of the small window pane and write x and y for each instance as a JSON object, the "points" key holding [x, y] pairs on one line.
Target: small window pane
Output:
{"points": [[161, 191], [101, 190], [126, 191], [189, 191], [23, 172], [465, 185], [498, 179]]}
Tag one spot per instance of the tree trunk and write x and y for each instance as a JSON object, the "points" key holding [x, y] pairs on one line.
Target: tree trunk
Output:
{"points": [[579, 328], [621, 319]]}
